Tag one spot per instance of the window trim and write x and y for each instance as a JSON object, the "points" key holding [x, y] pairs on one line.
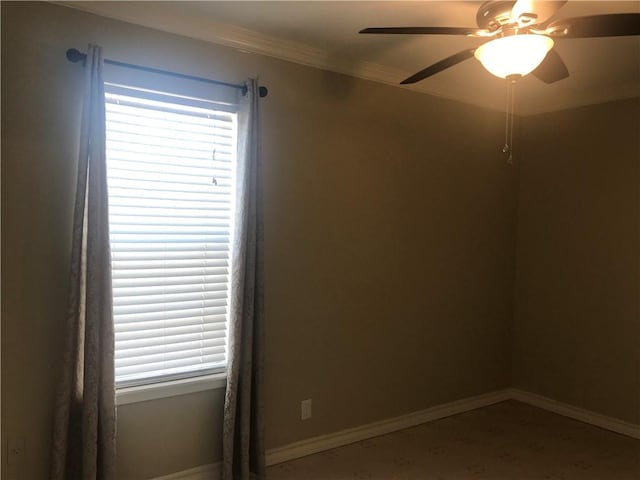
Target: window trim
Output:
{"points": [[172, 388]]}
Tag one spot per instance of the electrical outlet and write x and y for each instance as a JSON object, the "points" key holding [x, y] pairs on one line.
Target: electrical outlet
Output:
{"points": [[15, 451], [305, 409]]}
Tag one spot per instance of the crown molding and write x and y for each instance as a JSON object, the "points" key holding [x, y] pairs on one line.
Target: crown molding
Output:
{"points": [[238, 38], [173, 19], [248, 41]]}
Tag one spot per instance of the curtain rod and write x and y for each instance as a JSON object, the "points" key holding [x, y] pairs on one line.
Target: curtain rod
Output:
{"points": [[75, 56]]}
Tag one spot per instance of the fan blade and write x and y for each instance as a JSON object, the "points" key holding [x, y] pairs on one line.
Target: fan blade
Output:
{"points": [[551, 69], [538, 10], [423, 30], [440, 66], [611, 25]]}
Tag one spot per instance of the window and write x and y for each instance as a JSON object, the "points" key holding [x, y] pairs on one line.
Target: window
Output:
{"points": [[170, 170]]}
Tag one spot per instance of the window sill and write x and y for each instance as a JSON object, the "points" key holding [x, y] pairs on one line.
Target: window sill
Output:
{"points": [[173, 388]]}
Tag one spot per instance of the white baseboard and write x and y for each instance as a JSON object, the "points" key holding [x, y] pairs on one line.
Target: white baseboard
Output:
{"points": [[375, 429], [352, 435], [577, 413], [210, 471]]}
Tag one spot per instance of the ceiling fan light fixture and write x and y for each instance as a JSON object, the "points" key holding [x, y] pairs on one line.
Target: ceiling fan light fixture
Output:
{"points": [[514, 55]]}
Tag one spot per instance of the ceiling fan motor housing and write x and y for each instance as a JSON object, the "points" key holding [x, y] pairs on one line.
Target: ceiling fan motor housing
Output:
{"points": [[518, 37], [494, 14]]}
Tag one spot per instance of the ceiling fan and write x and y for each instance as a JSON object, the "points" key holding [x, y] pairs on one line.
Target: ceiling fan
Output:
{"points": [[520, 37]]}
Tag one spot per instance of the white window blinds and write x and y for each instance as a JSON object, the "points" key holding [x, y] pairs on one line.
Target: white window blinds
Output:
{"points": [[170, 164]]}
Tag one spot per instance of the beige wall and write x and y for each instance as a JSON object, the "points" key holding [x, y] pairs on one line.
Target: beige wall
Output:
{"points": [[577, 323], [390, 221]]}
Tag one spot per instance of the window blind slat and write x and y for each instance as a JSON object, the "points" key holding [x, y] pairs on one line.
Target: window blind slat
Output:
{"points": [[174, 322], [217, 330], [169, 237], [134, 264], [167, 306], [152, 195], [142, 197], [123, 201], [180, 131], [131, 293], [158, 220], [222, 160], [148, 183], [152, 377], [168, 360], [155, 247], [166, 367], [169, 313], [132, 259], [203, 294], [170, 227], [156, 213], [168, 350], [168, 338], [163, 273], [167, 229], [191, 146], [133, 108], [120, 124], [184, 280], [170, 181]]}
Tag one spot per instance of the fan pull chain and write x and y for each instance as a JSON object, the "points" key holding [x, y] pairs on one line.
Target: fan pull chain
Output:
{"points": [[513, 114], [505, 149], [509, 119]]}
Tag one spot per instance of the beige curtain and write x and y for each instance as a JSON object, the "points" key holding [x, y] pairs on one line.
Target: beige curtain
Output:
{"points": [[243, 442], [84, 423]]}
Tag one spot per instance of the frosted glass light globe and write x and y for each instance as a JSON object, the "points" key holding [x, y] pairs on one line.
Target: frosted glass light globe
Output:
{"points": [[513, 55]]}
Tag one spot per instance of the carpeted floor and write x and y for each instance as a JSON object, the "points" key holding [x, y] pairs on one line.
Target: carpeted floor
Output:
{"points": [[506, 441]]}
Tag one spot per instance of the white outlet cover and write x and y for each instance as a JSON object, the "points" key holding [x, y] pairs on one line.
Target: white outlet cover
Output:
{"points": [[305, 409]]}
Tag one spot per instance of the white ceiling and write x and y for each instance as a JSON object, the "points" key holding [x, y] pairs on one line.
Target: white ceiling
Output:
{"points": [[325, 34]]}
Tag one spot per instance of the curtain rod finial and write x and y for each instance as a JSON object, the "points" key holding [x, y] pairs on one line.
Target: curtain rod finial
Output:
{"points": [[74, 55]]}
